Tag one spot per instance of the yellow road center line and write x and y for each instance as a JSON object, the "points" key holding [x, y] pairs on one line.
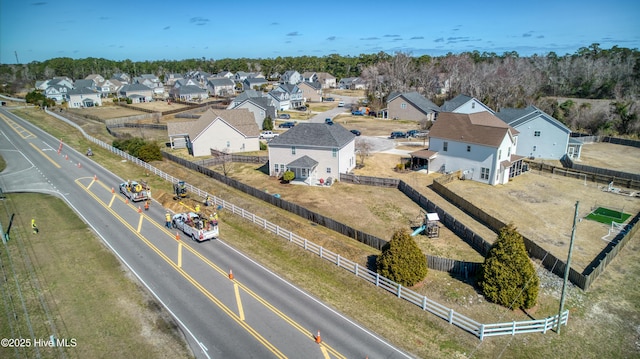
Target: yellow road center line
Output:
{"points": [[91, 184], [44, 155], [112, 199], [180, 254], [140, 223], [240, 309], [190, 279], [325, 353]]}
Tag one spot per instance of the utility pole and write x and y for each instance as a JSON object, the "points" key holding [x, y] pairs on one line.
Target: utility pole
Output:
{"points": [[17, 61], [568, 267]]}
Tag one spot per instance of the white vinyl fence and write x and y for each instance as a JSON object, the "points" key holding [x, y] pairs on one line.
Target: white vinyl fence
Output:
{"points": [[479, 330]]}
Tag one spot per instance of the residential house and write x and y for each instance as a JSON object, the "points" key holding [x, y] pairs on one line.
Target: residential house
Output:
{"points": [[281, 98], [228, 131], [188, 93], [346, 83], [311, 91], [56, 92], [184, 82], [358, 84], [122, 77], [83, 97], [108, 87], [260, 107], [225, 74], [136, 92], [170, 79], [541, 135], [85, 83], [151, 81], [411, 106], [296, 97], [479, 144], [243, 96], [326, 80], [313, 151], [221, 86], [465, 104], [253, 83], [55, 88], [309, 76], [96, 78], [291, 77]]}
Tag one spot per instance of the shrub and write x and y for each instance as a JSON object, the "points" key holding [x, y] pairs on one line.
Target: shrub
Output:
{"points": [[267, 124], [507, 276], [402, 260], [263, 146], [288, 176]]}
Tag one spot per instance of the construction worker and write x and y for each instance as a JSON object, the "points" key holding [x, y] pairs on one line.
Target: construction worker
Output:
{"points": [[197, 208], [168, 219], [33, 226], [146, 205], [206, 201]]}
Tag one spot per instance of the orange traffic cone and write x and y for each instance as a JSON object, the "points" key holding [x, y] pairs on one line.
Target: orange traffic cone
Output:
{"points": [[139, 209], [318, 339], [95, 177], [126, 201], [79, 165], [66, 157], [230, 274], [113, 190], [177, 236]]}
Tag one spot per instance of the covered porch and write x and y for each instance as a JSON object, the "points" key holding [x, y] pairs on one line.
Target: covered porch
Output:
{"points": [[421, 159], [304, 169]]}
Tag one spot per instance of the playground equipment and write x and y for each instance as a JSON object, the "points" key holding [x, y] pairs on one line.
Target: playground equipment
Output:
{"points": [[429, 225]]}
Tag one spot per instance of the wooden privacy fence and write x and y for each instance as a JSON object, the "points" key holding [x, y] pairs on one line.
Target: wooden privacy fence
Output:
{"points": [[598, 174], [370, 181], [451, 316]]}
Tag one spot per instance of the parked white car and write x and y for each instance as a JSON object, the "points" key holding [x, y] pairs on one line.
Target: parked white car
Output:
{"points": [[267, 135]]}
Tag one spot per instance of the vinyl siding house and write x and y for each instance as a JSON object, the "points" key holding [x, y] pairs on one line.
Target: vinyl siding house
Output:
{"points": [[221, 86], [481, 145], [291, 77], [465, 104], [253, 83], [326, 80], [281, 98], [136, 92], [411, 106], [260, 108], [541, 136], [188, 93], [313, 151], [311, 91], [83, 97], [229, 131], [296, 97], [57, 93]]}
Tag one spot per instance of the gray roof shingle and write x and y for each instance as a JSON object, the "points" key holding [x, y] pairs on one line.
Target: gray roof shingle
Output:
{"points": [[314, 135]]}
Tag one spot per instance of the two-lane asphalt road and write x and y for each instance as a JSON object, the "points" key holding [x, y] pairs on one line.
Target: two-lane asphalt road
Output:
{"points": [[255, 315]]}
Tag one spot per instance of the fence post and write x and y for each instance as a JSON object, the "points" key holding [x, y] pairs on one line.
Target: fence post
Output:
{"points": [[481, 334], [513, 328], [377, 279], [320, 252], [356, 270], [450, 316], [399, 290], [305, 244], [338, 261], [290, 236], [424, 302]]}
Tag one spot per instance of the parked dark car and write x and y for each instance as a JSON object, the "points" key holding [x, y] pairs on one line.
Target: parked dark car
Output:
{"points": [[357, 113], [356, 132], [398, 134], [287, 124], [328, 121], [302, 108], [329, 99], [284, 116], [412, 133]]}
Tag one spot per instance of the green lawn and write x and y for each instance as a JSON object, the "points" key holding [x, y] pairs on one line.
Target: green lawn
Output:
{"points": [[606, 216]]}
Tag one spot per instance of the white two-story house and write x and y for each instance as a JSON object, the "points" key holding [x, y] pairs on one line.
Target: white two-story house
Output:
{"points": [[313, 151], [479, 144]]}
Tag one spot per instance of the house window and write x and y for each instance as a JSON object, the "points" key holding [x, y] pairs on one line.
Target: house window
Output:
{"points": [[534, 148], [536, 133], [281, 167], [403, 106], [334, 152], [499, 154], [228, 144], [473, 105], [445, 145], [328, 169], [293, 150], [468, 148], [275, 167], [508, 151], [484, 173]]}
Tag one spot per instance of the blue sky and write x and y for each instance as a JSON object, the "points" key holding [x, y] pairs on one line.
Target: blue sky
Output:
{"points": [[153, 30]]}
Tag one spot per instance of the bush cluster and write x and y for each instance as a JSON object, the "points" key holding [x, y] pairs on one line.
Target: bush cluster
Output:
{"points": [[138, 147]]}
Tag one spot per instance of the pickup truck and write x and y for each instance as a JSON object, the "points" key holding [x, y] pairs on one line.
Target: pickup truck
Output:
{"points": [[135, 191], [198, 228], [268, 135]]}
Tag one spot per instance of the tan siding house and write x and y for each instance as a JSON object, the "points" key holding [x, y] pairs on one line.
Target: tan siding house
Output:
{"points": [[411, 106]]}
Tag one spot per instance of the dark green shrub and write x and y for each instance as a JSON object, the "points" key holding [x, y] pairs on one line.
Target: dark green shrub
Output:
{"points": [[402, 260], [508, 276], [263, 146], [267, 124]]}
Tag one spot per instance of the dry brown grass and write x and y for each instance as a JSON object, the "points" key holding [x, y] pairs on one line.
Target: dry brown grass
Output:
{"points": [[614, 157]]}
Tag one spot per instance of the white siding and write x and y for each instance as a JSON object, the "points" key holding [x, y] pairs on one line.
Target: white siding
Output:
{"points": [[328, 165], [471, 106], [551, 144], [222, 137]]}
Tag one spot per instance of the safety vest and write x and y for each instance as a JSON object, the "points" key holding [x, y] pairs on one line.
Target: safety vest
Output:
{"points": [[168, 216]]}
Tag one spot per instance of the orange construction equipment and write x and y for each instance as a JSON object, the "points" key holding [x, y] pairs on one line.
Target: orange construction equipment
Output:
{"points": [[177, 236], [318, 339], [230, 274]]}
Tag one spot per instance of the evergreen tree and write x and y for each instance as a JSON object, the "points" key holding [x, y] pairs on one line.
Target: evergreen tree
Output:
{"points": [[508, 276], [401, 260], [267, 124]]}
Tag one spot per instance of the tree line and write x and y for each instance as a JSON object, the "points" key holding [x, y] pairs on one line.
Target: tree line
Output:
{"points": [[549, 82]]}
